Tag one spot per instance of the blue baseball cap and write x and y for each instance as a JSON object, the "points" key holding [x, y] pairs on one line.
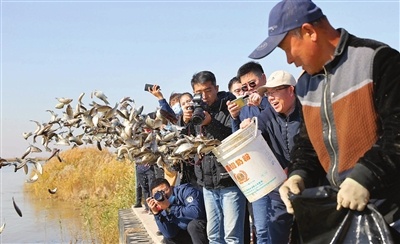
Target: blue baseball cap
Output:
{"points": [[285, 16]]}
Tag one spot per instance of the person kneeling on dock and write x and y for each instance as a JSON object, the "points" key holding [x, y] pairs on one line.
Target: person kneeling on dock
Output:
{"points": [[179, 212]]}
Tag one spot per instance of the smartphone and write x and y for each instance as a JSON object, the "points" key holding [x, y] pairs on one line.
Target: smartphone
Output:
{"points": [[147, 86], [241, 101]]}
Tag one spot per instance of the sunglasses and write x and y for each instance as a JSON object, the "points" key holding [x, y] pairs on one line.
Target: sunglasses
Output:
{"points": [[252, 84]]}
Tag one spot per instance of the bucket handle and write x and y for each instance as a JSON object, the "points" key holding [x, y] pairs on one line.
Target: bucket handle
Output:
{"points": [[255, 120]]}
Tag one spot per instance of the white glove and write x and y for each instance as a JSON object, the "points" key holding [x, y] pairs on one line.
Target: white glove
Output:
{"points": [[295, 185], [352, 195]]}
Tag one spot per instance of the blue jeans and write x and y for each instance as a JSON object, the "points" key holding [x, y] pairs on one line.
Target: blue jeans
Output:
{"points": [[271, 220], [260, 208], [225, 209]]}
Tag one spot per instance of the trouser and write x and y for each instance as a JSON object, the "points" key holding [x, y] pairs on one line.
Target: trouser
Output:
{"points": [[145, 180], [271, 219], [139, 194], [247, 226], [225, 210], [195, 234]]}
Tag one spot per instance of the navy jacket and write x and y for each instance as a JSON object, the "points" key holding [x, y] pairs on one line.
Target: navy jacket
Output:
{"points": [[187, 203], [279, 131]]}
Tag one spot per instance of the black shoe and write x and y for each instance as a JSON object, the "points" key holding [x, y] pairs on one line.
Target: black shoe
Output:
{"points": [[159, 233], [137, 205]]}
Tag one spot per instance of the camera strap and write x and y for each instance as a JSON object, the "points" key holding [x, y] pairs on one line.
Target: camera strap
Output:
{"points": [[171, 199]]}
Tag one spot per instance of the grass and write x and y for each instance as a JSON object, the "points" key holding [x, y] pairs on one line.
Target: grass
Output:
{"points": [[96, 183]]}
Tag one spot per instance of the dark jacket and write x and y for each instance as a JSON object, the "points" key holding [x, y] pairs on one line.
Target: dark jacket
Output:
{"points": [[209, 172], [187, 203], [279, 131], [352, 115]]}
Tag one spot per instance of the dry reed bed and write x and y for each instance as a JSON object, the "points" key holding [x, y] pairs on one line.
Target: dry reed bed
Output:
{"points": [[96, 183]]}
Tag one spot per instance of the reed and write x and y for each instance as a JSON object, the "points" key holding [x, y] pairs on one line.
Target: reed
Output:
{"points": [[96, 183]]}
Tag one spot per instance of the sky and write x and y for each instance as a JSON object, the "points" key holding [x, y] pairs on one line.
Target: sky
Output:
{"points": [[55, 49]]}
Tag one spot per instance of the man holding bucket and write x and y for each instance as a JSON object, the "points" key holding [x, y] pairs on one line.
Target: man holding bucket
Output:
{"points": [[279, 124], [251, 76]]}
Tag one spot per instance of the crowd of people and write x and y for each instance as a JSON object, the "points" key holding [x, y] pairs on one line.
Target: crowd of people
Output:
{"points": [[337, 125]]}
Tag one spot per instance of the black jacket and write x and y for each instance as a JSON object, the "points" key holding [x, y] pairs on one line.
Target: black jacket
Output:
{"points": [[209, 172]]}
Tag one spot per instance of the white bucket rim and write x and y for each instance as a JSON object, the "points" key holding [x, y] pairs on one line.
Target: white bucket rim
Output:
{"points": [[243, 144]]}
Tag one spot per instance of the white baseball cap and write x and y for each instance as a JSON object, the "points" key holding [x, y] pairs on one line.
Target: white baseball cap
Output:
{"points": [[278, 78]]}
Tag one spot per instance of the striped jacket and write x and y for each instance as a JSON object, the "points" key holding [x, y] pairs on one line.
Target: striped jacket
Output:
{"points": [[351, 113]]}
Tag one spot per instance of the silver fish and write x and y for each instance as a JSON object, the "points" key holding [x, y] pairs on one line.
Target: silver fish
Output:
{"points": [[17, 208], [2, 227], [100, 95], [64, 100], [34, 178]]}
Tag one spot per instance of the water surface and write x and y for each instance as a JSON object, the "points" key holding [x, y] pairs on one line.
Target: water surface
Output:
{"points": [[43, 220]]}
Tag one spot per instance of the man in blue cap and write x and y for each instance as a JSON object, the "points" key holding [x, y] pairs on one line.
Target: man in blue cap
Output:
{"points": [[351, 111]]}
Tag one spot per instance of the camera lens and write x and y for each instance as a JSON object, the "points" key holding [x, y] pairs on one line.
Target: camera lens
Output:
{"points": [[198, 116], [159, 196]]}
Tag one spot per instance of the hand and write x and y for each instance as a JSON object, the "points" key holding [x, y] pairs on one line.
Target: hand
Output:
{"points": [[156, 91], [233, 109], [207, 118], [245, 123], [187, 113], [295, 185], [352, 195], [153, 205], [254, 100]]}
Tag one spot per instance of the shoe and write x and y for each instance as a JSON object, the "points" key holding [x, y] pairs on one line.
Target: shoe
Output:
{"points": [[159, 233], [137, 205]]}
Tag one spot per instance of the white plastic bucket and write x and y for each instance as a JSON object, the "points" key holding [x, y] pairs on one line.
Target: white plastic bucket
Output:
{"points": [[250, 162]]}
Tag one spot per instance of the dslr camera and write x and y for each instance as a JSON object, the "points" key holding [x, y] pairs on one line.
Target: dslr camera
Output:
{"points": [[198, 109], [159, 196]]}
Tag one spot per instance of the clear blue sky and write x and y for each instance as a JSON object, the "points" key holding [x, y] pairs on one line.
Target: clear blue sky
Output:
{"points": [[55, 49]]}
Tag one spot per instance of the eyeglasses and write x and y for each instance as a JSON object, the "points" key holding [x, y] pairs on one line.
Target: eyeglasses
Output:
{"points": [[252, 84], [272, 92]]}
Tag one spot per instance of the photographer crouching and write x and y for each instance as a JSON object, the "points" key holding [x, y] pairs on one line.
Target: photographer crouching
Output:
{"points": [[179, 212]]}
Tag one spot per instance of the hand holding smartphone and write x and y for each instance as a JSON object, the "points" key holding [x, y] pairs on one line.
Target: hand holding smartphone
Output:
{"points": [[241, 101], [147, 86]]}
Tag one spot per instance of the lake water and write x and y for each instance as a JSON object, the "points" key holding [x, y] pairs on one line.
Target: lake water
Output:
{"points": [[43, 220]]}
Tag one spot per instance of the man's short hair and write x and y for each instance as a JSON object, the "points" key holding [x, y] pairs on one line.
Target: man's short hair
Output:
{"points": [[157, 182], [203, 77], [251, 66], [234, 80]]}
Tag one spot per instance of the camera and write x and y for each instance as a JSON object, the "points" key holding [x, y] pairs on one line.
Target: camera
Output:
{"points": [[159, 196], [198, 109]]}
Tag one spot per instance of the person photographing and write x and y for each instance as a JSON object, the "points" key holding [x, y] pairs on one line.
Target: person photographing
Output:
{"points": [[179, 212]]}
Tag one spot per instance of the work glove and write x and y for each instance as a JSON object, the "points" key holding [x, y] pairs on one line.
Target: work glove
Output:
{"points": [[352, 195], [295, 185]]}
